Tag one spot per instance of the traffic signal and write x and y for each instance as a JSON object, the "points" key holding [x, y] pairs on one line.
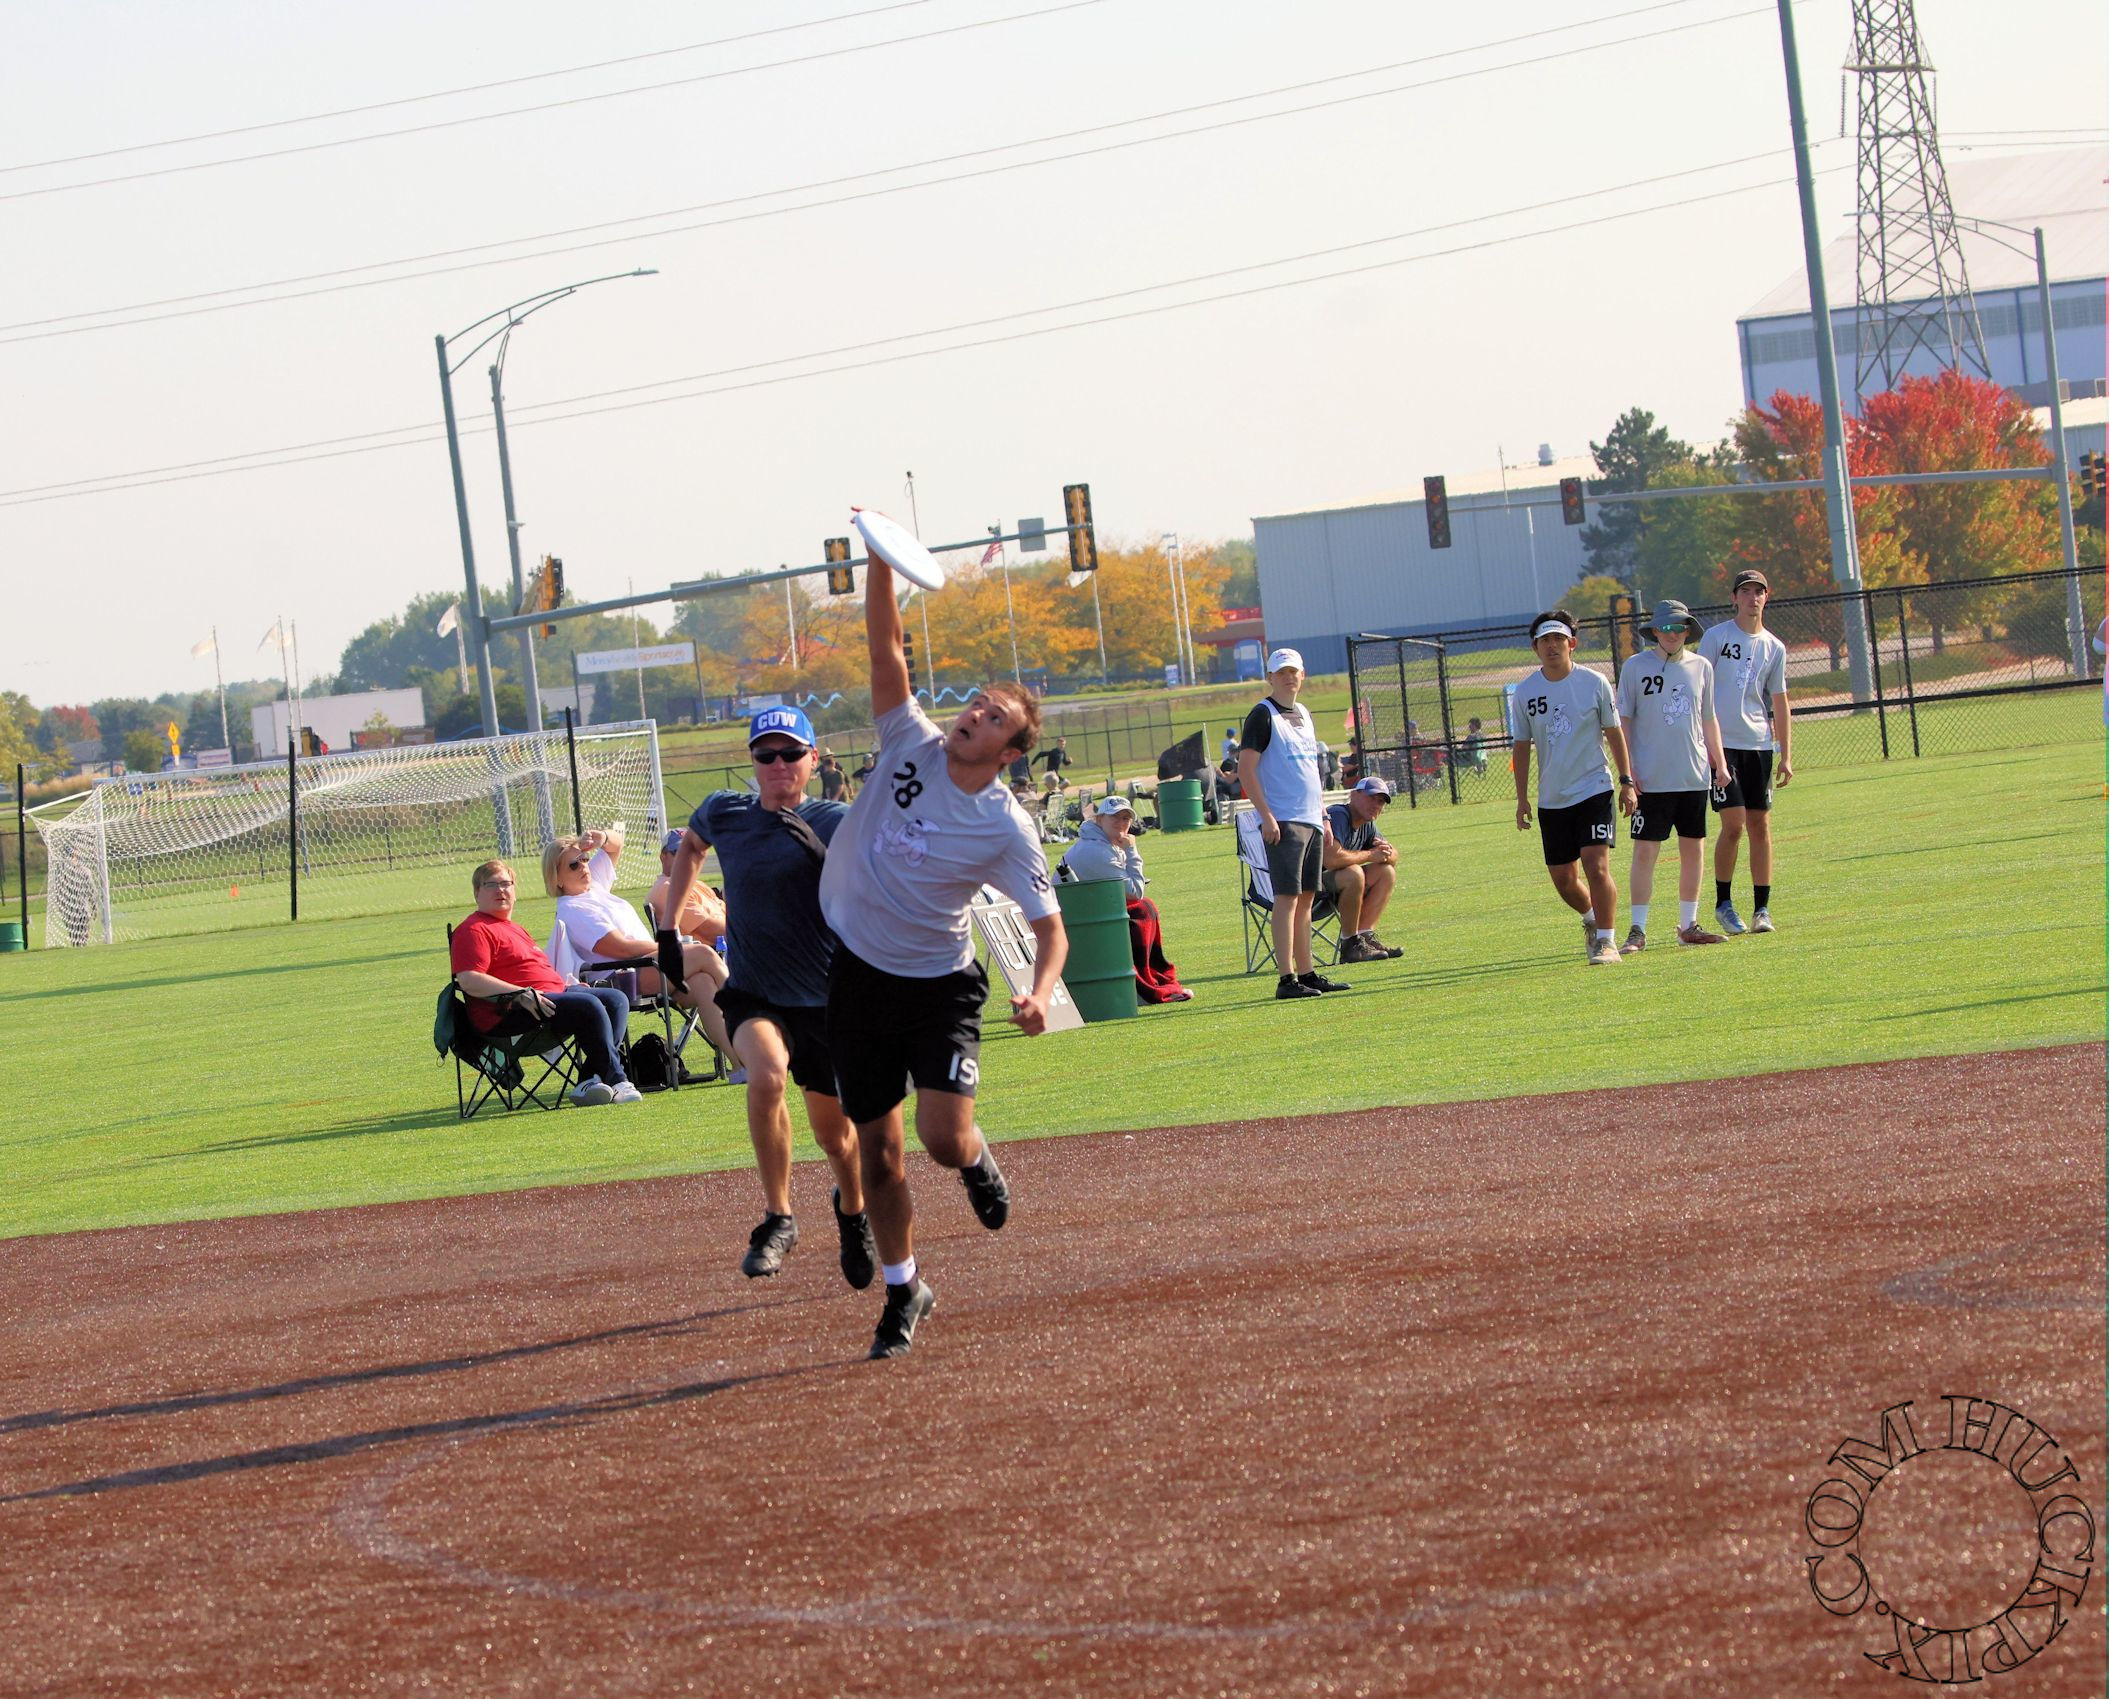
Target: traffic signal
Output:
{"points": [[1571, 510], [908, 654], [1083, 540], [2094, 477], [841, 579], [552, 589], [1437, 495]]}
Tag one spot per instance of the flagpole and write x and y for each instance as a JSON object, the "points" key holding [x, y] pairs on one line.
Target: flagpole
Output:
{"points": [[296, 668], [219, 677], [285, 671]]}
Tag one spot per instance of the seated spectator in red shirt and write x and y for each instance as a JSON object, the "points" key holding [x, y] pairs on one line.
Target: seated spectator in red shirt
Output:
{"points": [[1105, 849], [498, 967]]}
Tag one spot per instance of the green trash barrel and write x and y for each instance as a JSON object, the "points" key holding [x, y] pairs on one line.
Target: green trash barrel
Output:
{"points": [[10, 936], [1100, 972], [1179, 805]]}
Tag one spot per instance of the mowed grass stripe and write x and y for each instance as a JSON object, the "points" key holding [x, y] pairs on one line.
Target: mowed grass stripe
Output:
{"points": [[1946, 905]]}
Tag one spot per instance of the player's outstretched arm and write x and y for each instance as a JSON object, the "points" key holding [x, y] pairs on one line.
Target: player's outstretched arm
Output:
{"points": [[882, 636]]}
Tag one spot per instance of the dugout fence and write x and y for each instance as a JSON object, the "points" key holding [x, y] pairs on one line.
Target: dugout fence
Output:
{"points": [[371, 831], [1957, 667]]}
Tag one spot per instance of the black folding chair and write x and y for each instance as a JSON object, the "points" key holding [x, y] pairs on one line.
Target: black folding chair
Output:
{"points": [[520, 1060]]}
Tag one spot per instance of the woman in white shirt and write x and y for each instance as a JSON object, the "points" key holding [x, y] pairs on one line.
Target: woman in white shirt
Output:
{"points": [[603, 929]]}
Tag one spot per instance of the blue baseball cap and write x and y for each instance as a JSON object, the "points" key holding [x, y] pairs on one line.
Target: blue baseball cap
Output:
{"points": [[784, 722]]}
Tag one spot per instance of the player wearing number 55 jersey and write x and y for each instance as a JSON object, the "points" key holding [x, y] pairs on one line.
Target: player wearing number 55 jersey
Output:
{"points": [[905, 992], [1750, 696], [1566, 714]]}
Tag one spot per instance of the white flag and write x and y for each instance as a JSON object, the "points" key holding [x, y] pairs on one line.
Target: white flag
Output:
{"points": [[449, 620], [198, 651], [276, 635]]}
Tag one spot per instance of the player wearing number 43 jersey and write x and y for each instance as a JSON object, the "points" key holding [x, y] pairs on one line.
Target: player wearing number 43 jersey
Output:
{"points": [[1565, 713], [1666, 706], [1750, 696], [905, 992]]}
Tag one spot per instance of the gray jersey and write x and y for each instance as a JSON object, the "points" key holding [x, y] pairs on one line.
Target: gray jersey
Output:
{"points": [[913, 850], [1566, 723], [1748, 672], [1670, 703]]}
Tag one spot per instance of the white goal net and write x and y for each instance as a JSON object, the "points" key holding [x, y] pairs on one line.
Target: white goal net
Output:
{"points": [[374, 831]]}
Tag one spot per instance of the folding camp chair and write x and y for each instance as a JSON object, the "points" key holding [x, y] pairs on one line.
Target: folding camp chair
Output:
{"points": [[521, 1060], [623, 977], [1256, 900]]}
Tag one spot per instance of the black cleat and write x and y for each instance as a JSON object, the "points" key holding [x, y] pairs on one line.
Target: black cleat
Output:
{"points": [[860, 1257], [987, 1189], [1319, 982], [905, 1306], [768, 1245], [1288, 989]]}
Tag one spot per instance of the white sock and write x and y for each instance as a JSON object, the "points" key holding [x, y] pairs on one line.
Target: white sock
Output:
{"points": [[1688, 913], [1603, 935], [1589, 917], [899, 1273], [1640, 916]]}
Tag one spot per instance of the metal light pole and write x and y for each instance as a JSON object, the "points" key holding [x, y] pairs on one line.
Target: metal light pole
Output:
{"points": [[1838, 499], [528, 673], [1010, 611], [1530, 527], [1170, 543], [472, 601], [915, 524]]}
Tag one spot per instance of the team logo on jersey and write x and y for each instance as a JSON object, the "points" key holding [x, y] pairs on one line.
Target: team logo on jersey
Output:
{"points": [[1677, 706], [1560, 725], [906, 839]]}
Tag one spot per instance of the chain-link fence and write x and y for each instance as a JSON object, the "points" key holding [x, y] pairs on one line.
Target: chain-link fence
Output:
{"points": [[1976, 664]]}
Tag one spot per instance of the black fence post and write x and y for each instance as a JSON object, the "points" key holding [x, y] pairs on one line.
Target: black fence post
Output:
{"points": [[1442, 690], [1911, 694], [571, 754], [1405, 733], [1874, 631], [1354, 718], [22, 854], [293, 820]]}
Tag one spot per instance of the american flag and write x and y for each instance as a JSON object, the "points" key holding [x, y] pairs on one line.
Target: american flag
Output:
{"points": [[993, 552]]}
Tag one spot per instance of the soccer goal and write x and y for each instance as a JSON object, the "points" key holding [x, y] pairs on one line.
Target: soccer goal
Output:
{"points": [[373, 831]]}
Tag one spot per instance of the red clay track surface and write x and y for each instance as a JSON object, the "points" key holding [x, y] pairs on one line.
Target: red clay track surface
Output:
{"points": [[1502, 1398]]}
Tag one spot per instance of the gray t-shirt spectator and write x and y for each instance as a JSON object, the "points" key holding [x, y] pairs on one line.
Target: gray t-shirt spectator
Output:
{"points": [[1093, 856], [1748, 672], [1566, 722], [1669, 703]]}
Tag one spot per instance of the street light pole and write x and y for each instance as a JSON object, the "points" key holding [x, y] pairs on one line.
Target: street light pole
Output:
{"points": [[915, 524], [528, 673], [1010, 611]]}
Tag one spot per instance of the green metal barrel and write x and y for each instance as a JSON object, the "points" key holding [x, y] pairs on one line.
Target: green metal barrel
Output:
{"points": [[1100, 972], [10, 936], [1179, 805]]}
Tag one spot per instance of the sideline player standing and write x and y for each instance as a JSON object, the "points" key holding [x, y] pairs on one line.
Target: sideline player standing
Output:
{"points": [[905, 992], [1750, 673], [771, 844], [1666, 708], [1569, 710], [1278, 772]]}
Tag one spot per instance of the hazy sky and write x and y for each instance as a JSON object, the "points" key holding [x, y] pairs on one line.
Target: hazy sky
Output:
{"points": [[1188, 420]]}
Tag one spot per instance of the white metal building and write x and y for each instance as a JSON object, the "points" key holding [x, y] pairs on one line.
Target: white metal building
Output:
{"points": [[1328, 574], [2064, 192], [334, 718]]}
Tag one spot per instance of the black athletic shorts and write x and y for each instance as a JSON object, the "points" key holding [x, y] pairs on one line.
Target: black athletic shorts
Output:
{"points": [[1659, 813], [886, 1031], [1592, 824], [804, 1030], [1749, 780], [1294, 861]]}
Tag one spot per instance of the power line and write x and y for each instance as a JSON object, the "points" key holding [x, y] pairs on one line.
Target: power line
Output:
{"points": [[548, 105], [451, 93], [369, 442], [34, 329]]}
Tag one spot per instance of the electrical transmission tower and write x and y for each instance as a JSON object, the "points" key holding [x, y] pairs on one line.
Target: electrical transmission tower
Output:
{"points": [[1912, 289]]}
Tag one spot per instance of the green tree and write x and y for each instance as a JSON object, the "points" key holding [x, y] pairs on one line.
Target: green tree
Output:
{"points": [[1636, 454], [1682, 542], [18, 723], [144, 750], [381, 656], [117, 717]]}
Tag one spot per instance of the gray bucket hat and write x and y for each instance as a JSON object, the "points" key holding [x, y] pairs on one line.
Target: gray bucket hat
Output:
{"points": [[1668, 616]]}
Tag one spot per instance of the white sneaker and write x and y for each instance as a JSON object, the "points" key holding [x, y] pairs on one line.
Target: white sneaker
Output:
{"points": [[590, 1093], [1761, 921], [625, 1092]]}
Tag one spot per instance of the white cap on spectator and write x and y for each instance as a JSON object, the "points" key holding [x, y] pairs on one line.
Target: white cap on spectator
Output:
{"points": [[1284, 658], [1113, 805]]}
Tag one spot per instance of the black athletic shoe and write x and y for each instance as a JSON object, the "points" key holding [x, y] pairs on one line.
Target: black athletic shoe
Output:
{"points": [[905, 1306], [768, 1245], [860, 1257], [987, 1189], [1319, 982], [1287, 990]]}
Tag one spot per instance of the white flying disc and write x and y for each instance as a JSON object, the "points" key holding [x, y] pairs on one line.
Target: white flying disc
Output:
{"points": [[897, 546]]}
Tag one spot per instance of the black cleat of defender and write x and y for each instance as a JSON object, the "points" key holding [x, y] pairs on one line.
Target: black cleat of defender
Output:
{"points": [[767, 1246], [987, 1189], [905, 1306], [860, 1256]]}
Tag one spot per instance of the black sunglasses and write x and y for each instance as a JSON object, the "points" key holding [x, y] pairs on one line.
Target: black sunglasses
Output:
{"points": [[769, 757], [574, 865]]}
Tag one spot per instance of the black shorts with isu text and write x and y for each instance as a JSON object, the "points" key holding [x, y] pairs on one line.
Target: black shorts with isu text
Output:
{"points": [[812, 1064], [1749, 780], [1589, 824], [887, 1031], [1660, 813]]}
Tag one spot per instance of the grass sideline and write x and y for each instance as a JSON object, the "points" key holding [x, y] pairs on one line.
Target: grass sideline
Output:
{"points": [[1947, 905]]}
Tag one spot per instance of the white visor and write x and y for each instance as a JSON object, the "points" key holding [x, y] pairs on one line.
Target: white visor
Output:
{"points": [[1552, 627]]}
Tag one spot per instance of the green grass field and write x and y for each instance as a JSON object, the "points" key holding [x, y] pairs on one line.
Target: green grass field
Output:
{"points": [[1948, 905]]}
